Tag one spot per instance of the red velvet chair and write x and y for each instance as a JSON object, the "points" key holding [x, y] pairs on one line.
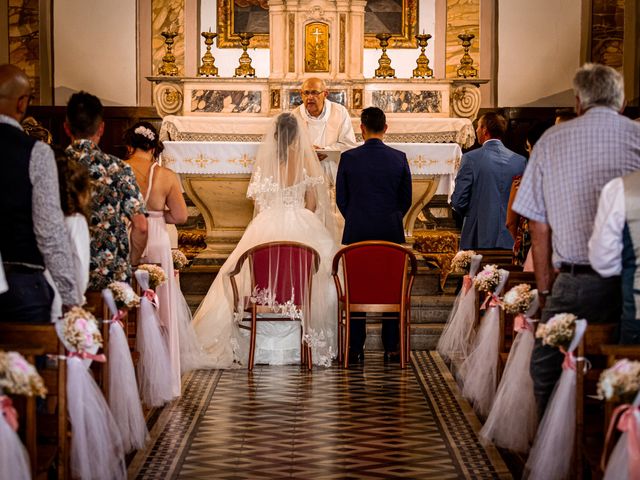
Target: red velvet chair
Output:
{"points": [[293, 264], [378, 277]]}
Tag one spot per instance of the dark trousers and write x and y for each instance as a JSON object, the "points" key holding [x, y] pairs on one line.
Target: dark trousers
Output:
{"points": [[390, 332], [586, 295], [28, 299]]}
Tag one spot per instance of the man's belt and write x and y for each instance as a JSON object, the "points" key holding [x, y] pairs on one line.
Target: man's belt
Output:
{"points": [[576, 268]]}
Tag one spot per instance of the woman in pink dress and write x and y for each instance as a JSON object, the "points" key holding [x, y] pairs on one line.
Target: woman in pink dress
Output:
{"points": [[165, 204]]}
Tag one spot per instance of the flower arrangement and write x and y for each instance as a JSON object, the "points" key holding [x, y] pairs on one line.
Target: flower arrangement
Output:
{"points": [[558, 331], [79, 330], [620, 381], [145, 132], [179, 259], [156, 275], [487, 279], [462, 261], [518, 299], [124, 295], [19, 377]]}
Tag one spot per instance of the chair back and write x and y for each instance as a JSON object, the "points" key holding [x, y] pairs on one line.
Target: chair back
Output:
{"points": [[286, 266], [376, 272]]}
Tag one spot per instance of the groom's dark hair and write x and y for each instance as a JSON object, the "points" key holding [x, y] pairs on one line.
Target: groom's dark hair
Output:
{"points": [[373, 119]]}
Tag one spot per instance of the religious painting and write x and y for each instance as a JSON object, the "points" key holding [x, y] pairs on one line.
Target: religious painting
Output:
{"points": [[607, 32], [316, 47], [398, 17]]}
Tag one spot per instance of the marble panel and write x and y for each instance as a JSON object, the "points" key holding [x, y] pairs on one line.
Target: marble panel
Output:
{"points": [[226, 101], [24, 40], [167, 15], [336, 96], [607, 32], [408, 101], [463, 16]]}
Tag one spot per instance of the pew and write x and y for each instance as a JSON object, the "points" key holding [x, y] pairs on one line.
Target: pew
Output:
{"points": [[99, 309], [32, 341]]}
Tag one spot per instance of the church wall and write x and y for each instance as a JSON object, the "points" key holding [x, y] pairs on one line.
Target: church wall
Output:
{"points": [[95, 50], [538, 51]]}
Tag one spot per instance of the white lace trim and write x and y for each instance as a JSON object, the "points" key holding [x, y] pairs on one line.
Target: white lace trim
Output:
{"points": [[321, 352]]}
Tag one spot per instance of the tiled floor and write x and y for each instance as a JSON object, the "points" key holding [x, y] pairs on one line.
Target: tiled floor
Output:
{"points": [[375, 421]]}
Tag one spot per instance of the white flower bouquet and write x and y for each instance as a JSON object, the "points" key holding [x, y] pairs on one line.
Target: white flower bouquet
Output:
{"points": [[179, 259], [19, 377], [124, 295], [621, 381], [79, 331], [462, 261], [518, 299], [558, 331], [487, 279], [157, 276]]}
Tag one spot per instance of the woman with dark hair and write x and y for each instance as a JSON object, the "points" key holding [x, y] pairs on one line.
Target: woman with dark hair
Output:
{"points": [[165, 204]]}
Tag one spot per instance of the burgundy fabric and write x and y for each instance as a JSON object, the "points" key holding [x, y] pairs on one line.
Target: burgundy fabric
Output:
{"points": [[292, 266], [374, 274]]}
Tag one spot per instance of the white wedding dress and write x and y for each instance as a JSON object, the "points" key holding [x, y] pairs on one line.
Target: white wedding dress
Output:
{"points": [[280, 189]]}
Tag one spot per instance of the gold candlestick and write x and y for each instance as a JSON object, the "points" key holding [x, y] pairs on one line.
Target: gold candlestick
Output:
{"points": [[422, 70], [466, 68], [168, 66], [385, 69], [208, 68], [245, 69]]}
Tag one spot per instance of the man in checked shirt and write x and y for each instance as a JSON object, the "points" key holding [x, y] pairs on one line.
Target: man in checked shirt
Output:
{"points": [[559, 195]]}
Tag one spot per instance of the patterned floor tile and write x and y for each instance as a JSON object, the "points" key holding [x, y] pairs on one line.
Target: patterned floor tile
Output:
{"points": [[375, 421]]}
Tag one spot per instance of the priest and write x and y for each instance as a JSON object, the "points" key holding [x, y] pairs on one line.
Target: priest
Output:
{"points": [[328, 123]]}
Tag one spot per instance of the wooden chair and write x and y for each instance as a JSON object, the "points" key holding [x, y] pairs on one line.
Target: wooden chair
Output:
{"points": [[590, 420], [32, 341], [292, 266], [378, 277]]}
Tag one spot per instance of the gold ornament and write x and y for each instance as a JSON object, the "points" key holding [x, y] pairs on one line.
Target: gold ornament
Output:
{"points": [[385, 69], [168, 67], [245, 69], [422, 70], [466, 68], [208, 68]]}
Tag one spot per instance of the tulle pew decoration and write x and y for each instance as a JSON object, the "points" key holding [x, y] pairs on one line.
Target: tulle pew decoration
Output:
{"points": [[19, 377], [479, 371], [512, 421], [154, 363], [96, 445], [620, 381], [552, 450], [124, 399], [455, 341]]}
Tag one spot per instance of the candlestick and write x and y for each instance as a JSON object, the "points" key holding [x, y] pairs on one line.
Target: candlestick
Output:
{"points": [[466, 68], [168, 66], [245, 69], [384, 70], [422, 70], [208, 68]]}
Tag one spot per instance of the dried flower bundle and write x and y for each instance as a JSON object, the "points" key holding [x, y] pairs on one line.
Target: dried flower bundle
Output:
{"points": [[558, 331], [462, 261], [19, 377], [156, 275], [124, 295], [487, 279]]}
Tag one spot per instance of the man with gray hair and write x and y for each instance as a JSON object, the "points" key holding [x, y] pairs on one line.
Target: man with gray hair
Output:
{"points": [[559, 195]]}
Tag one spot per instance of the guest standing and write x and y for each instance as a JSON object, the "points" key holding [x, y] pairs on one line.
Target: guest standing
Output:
{"points": [[483, 185], [30, 205], [559, 195], [116, 199], [165, 204], [373, 192]]}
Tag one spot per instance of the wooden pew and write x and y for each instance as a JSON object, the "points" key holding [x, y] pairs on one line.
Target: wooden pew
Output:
{"points": [[590, 413], [99, 309], [498, 257], [32, 341]]}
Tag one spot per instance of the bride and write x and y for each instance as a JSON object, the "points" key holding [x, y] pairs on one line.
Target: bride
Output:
{"points": [[291, 203]]}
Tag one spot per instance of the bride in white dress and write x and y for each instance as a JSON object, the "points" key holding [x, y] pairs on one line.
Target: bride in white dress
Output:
{"points": [[291, 204]]}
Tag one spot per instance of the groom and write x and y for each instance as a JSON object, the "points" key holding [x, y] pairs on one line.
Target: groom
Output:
{"points": [[373, 193]]}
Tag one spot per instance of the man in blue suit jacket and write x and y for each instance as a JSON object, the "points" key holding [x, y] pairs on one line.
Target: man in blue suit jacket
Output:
{"points": [[483, 185], [373, 193]]}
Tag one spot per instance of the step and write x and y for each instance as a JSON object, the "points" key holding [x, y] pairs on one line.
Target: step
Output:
{"points": [[424, 336]]}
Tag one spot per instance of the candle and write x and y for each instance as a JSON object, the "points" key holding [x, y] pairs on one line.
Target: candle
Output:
{"points": [[209, 29]]}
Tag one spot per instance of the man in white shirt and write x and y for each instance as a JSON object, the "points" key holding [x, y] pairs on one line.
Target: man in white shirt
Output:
{"points": [[328, 124], [614, 247]]}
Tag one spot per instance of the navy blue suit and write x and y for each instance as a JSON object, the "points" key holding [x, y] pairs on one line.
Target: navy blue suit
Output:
{"points": [[373, 193], [481, 195]]}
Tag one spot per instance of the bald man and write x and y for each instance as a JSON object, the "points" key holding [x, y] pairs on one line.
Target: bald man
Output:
{"points": [[33, 236], [328, 123]]}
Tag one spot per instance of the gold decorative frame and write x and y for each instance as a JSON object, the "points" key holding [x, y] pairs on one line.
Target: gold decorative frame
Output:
{"points": [[227, 38]]}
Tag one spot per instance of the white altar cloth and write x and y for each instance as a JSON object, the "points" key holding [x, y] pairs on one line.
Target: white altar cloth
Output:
{"points": [[210, 158], [411, 130]]}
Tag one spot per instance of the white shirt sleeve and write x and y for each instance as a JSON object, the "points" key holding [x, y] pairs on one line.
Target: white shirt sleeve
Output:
{"points": [[605, 245], [3, 281]]}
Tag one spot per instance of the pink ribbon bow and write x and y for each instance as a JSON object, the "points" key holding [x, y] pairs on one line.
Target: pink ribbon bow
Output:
{"points": [[151, 296], [521, 324], [8, 412], [467, 283], [118, 317], [569, 361], [492, 300], [626, 422], [84, 355]]}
